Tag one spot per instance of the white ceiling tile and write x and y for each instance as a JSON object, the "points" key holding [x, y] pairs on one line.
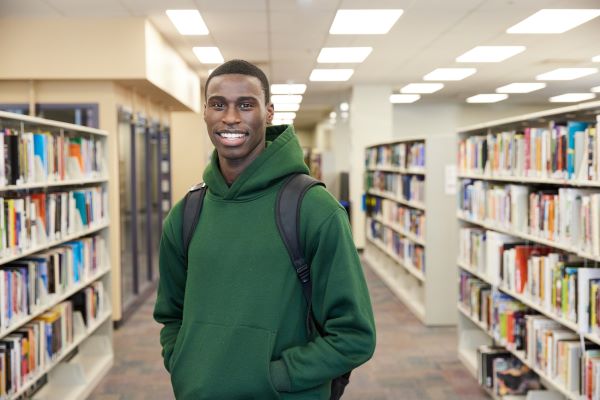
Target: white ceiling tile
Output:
{"points": [[78, 8], [27, 8]]}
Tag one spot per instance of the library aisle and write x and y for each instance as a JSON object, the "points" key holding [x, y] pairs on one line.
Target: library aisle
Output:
{"points": [[411, 362]]}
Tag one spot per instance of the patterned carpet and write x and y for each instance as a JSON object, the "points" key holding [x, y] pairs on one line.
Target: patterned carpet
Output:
{"points": [[411, 362]]}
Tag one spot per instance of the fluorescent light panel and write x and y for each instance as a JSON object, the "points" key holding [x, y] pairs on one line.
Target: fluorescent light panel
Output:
{"points": [[404, 98], [487, 98], [330, 75], [521, 87], [572, 97], [422, 88], [288, 88], [286, 98], [566, 74], [282, 121], [449, 74], [554, 20], [286, 107], [343, 54], [490, 54], [364, 22], [284, 115], [188, 22], [208, 55]]}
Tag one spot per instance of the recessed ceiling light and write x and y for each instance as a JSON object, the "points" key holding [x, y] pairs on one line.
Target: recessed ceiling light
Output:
{"points": [[404, 98], [208, 55], [596, 58], [422, 88], [343, 54], [282, 121], [286, 107], [572, 97], [449, 74], [331, 75], [286, 98], [364, 22], [490, 54], [344, 106], [284, 115], [554, 21], [487, 98], [596, 89], [188, 22], [566, 74], [288, 88], [332, 115], [521, 87]]}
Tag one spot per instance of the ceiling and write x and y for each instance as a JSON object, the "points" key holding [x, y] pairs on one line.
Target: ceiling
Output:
{"points": [[284, 37]]}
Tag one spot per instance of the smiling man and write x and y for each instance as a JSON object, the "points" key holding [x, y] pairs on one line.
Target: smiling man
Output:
{"points": [[234, 313]]}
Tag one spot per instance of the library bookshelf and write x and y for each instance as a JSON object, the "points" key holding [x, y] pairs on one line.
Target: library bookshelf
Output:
{"points": [[55, 273], [409, 223], [529, 226]]}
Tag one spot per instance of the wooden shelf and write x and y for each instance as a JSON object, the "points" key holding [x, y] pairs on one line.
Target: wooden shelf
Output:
{"points": [[412, 270], [54, 301], [26, 119], [398, 170], [409, 235], [27, 252], [529, 237], [40, 185], [73, 378], [392, 283], [390, 196]]}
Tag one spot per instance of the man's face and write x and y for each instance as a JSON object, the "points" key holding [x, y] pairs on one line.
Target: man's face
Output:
{"points": [[236, 116]]}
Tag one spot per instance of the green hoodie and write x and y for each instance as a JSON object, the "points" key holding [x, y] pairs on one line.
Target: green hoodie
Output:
{"points": [[234, 321]]}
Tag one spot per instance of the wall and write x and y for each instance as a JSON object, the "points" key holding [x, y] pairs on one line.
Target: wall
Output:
{"points": [[370, 122], [190, 149], [127, 49], [423, 119], [306, 138]]}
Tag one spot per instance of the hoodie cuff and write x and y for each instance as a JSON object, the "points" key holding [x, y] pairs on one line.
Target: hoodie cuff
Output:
{"points": [[280, 376]]}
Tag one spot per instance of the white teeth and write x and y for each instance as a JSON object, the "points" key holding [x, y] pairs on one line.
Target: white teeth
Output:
{"points": [[232, 135]]}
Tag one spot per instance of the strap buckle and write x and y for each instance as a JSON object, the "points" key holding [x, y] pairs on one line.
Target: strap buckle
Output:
{"points": [[303, 272]]}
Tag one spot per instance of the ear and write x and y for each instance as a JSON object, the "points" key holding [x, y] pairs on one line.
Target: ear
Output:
{"points": [[270, 113]]}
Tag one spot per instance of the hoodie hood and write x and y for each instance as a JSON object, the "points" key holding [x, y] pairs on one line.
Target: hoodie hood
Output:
{"points": [[281, 157]]}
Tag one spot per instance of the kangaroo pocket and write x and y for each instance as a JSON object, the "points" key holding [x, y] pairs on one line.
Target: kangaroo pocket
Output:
{"points": [[223, 362]]}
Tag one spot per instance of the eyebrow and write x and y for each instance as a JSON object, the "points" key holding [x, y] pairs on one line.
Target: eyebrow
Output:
{"points": [[241, 98]]}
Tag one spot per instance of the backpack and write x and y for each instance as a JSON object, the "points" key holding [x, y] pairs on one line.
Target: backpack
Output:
{"points": [[289, 200]]}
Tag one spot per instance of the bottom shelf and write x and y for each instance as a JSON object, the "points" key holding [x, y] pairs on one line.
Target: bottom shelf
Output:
{"points": [[77, 378], [393, 280], [469, 360]]}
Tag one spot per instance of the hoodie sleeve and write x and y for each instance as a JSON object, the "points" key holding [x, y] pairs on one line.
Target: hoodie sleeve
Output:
{"points": [[342, 306], [168, 309]]}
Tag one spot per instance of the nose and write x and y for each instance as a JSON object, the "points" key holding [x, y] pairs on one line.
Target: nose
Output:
{"points": [[231, 116]]}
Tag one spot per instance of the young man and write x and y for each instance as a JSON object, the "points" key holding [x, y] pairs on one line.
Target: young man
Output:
{"points": [[235, 317]]}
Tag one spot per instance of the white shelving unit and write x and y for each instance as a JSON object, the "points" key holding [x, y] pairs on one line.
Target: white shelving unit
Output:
{"points": [[76, 369], [425, 292], [473, 333]]}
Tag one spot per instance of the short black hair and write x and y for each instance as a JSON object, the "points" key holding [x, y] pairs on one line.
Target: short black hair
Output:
{"points": [[241, 67]]}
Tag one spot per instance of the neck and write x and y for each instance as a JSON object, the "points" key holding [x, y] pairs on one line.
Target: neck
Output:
{"points": [[231, 169]]}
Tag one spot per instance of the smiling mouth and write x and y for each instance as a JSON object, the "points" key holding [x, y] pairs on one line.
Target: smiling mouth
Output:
{"points": [[232, 135]]}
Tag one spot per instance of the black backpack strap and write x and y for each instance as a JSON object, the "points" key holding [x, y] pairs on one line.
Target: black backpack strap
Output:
{"points": [[287, 217], [192, 205]]}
